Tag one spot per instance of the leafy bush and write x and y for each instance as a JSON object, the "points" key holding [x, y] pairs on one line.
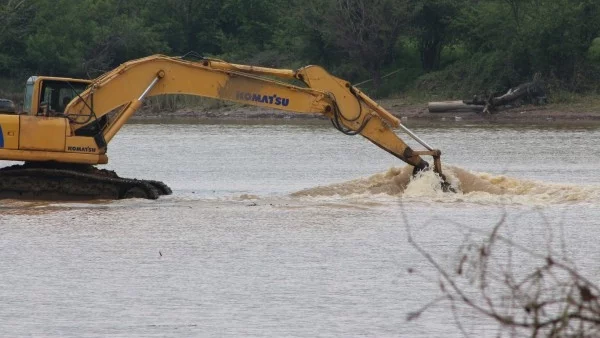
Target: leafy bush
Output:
{"points": [[454, 46]]}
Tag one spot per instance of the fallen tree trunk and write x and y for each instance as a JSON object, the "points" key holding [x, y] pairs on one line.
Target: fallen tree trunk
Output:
{"points": [[530, 91], [451, 106]]}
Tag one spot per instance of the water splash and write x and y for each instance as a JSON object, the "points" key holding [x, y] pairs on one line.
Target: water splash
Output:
{"points": [[472, 187], [392, 182]]}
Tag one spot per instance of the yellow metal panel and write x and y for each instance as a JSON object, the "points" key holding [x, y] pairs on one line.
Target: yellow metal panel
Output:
{"points": [[283, 73], [318, 78], [42, 133], [36, 155], [9, 131]]}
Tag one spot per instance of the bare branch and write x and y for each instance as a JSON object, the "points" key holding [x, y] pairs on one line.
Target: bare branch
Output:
{"points": [[552, 299]]}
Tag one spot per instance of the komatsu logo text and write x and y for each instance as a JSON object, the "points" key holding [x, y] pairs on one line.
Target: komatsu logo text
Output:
{"points": [[268, 99], [82, 149]]}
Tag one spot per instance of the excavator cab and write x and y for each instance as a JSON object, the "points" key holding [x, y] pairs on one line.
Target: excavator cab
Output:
{"points": [[49, 96]]}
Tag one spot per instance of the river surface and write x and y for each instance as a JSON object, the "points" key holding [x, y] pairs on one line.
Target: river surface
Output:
{"points": [[289, 231]]}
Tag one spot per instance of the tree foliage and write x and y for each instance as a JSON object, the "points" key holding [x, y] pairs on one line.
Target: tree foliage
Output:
{"points": [[550, 37], [14, 27], [432, 29], [450, 44]]}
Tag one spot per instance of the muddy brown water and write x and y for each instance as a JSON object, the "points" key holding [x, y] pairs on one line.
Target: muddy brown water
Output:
{"points": [[288, 230]]}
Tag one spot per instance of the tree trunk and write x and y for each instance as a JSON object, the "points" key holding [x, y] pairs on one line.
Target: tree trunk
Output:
{"points": [[430, 54], [533, 91], [453, 106]]}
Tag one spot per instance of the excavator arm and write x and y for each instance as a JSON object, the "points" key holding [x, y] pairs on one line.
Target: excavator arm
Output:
{"points": [[123, 90]]}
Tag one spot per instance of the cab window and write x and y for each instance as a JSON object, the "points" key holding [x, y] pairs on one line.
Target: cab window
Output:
{"points": [[55, 95]]}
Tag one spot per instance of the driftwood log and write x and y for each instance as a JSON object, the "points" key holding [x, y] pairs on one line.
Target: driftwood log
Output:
{"points": [[448, 106], [531, 92]]}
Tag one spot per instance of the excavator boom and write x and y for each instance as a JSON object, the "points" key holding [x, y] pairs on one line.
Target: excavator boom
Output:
{"points": [[350, 110]]}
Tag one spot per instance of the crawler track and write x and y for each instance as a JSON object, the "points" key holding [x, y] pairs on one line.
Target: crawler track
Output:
{"points": [[56, 181]]}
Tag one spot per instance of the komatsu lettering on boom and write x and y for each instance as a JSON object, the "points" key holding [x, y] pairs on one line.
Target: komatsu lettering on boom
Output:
{"points": [[269, 99]]}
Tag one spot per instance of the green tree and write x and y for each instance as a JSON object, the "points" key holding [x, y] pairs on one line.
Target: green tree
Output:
{"points": [[57, 43], [432, 28], [15, 25], [550, 37], [120, 33], [186, 25], [366, 31], [247, 28], [88, 37]]}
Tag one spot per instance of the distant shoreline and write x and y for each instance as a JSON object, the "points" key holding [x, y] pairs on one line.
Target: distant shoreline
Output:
{"points": [[409, 114]]}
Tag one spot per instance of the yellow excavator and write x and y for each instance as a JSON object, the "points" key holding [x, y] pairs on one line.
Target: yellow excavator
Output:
{"points": [[66, 124]]}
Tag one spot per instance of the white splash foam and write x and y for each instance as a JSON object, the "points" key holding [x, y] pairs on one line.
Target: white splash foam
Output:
{"points": [[470, 187]]}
